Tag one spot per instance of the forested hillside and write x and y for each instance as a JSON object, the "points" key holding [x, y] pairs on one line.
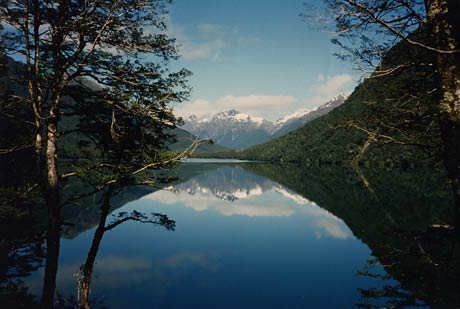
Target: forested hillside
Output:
{"points": [[389, 117]]}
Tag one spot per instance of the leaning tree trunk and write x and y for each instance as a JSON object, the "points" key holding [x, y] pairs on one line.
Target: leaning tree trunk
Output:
{"points": [[86, 270], [444, 19]]}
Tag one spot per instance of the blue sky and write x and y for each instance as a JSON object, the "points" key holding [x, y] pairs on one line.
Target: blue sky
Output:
{"points": [[257, 56]]}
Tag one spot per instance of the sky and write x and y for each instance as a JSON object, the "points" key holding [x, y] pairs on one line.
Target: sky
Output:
{"points": [[257, 56]]}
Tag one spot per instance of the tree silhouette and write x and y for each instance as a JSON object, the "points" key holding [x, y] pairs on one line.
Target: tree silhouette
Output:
{"points": [[368, 31]]}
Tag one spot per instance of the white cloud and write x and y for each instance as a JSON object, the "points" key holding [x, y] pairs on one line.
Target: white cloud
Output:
{"points": [[267, 106], [256, 105], [329, 87], [332, 86], [192, 51], [203, 42]]}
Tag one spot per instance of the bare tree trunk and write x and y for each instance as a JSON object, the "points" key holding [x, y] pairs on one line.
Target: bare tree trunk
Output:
{"points": [[32, 77], [54, 208], [444, 19], [38, 97]]}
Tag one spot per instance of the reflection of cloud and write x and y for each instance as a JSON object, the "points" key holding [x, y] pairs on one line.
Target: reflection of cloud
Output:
{"points": [[201, 202], [332, 228], [143, 271], [121, 264], [257, 210], [113, 272], [160, 274], [186, 259]]}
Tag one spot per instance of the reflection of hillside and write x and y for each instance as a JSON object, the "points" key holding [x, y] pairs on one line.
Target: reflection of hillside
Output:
{"points": [[394, 222]]}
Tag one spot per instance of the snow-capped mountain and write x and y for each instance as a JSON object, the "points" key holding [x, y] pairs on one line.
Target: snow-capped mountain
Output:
{"points": [[299, 118], [238, 130], [231, 129], [295, 115]]}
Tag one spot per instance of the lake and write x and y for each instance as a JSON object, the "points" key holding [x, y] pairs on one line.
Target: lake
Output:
{"points": [[258, 235]]}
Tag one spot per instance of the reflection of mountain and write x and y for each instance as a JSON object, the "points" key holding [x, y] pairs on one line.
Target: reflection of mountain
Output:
{"points": [[234, 191], [226, 183], [395, 222], [231, 183]]}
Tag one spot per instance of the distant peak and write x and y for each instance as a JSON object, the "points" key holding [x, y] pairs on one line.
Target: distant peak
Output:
{"points": [[297, 114], [341, 96], [232, 112]]}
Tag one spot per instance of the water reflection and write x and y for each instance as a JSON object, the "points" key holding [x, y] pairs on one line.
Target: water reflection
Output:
{"points": [[234, 191], [255, 235], [86, 270], [406, 220]]}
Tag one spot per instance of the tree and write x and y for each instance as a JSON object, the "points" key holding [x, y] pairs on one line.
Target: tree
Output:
{"points": [[86, 269], [103, 65], [369, 29]]}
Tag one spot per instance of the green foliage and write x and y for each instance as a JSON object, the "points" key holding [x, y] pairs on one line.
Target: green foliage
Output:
{"points": [[97, 81], [396, 113]]}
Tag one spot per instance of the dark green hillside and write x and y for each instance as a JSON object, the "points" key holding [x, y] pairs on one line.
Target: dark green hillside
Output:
{"points": [[396, 106]]}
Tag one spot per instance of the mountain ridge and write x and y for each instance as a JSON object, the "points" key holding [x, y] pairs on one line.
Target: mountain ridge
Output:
{"points": [[237, 130]]}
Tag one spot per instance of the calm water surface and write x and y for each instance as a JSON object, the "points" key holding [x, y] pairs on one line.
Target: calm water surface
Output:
{"points": [[242, 240]]}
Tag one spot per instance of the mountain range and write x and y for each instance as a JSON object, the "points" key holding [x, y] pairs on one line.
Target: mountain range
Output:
{"points": [[237, 130]]}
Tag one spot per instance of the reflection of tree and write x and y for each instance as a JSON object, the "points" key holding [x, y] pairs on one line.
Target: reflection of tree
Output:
{"points": [[86, 269], [21, 253], [407, 228], [388, 295], [429, 265], [53, 237]]}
